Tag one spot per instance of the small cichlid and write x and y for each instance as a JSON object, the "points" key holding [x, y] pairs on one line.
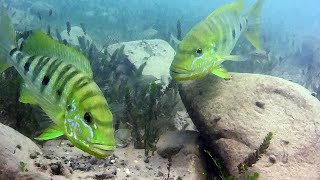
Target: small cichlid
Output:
{"points": [[59, 79], [210, 42]]}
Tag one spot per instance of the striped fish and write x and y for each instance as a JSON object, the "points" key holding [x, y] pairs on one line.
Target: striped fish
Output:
{"points": [[59, 79], [210, 42]]}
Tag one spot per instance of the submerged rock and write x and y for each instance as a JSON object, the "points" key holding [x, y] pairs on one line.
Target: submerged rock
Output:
{"points": [[227, 115], [157, 53], [15, 150], [182, 147]]}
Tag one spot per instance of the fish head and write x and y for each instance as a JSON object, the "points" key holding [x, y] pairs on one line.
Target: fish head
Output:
{"points": [[88, 125], [193, 59]]}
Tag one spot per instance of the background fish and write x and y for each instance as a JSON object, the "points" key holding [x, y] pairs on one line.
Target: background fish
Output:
{"points": [[59, 79], [211, 41]]}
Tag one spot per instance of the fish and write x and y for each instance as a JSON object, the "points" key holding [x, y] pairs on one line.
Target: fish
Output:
{"points": [[209, 43], [50, 12], [58, 35], [59, 80], [48, 30], [82, 25], [39, 16], [68, 27]]}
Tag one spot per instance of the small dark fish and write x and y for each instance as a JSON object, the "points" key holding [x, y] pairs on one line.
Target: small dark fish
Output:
{"points": [[50, 12], [82, 25], [65, 42], [68, 28], [49, 30], [14, 13], [39, 15], [58, 35]]}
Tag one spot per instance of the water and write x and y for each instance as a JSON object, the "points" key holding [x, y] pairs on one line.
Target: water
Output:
{"points": [[144, 101]]}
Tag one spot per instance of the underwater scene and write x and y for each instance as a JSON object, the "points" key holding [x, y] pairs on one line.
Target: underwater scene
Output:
{"points": [[160, 89]]}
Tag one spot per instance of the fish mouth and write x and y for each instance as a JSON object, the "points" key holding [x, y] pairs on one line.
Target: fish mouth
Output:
{"points": [[179, 73]]}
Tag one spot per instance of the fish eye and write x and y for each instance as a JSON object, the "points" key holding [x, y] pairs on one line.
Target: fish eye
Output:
{"points": [[199, 51], [87, 117]]}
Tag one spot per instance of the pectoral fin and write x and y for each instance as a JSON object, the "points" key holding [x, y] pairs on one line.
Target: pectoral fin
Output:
{"points": [[27, 96], [234, 58], [50, 133], [221, 72]]}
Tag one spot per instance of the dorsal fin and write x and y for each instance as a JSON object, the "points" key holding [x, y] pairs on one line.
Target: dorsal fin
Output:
{"points": [[236, 7], [39, 43]]}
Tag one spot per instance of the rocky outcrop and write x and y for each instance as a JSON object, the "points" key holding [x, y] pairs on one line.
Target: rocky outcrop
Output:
{"points": [[182, 148], [15, 150], [157, 54], [235, 115]]}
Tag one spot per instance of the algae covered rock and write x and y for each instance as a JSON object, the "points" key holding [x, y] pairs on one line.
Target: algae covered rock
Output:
{"points": [[235, 115], [157, 54], [15, 150]]}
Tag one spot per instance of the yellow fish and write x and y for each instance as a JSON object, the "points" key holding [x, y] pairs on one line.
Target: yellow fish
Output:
{"points": [[211, 41]]}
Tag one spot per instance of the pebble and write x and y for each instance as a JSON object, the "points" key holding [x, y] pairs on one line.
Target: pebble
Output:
{"points": [[260, 104], [93, 160], [272, 159], [159, 174], [33, 155]]}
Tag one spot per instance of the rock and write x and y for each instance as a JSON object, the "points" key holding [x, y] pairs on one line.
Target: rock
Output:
{"points": [[172, 142], [33, 155], [183, 149], [226, 115], [182, 121], [40, 7], [14, 151], [122, 137], [32, 176], [75, 32], [157, 53]]}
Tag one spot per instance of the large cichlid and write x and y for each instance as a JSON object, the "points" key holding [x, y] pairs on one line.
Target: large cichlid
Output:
{"points": [[59, 80], [210, 42]]}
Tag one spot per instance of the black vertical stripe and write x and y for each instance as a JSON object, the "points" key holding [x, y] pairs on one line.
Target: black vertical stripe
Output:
{"points": [[49, 73], [19, 56], [89, 94], [13, 51], [67, 79], [63, 71], [40, 64], [233, 33], [78, 85], [28, 63]]}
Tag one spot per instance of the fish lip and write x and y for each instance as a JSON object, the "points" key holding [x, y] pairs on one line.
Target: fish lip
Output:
{"points": [[178, 70]]}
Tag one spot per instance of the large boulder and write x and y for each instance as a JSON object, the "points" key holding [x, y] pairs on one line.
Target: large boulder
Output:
{"points": [[235, 115], [157, 53], [15, 150]]}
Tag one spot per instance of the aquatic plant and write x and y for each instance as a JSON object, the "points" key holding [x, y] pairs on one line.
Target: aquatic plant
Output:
{"points": [[256, 155], [23, 166]]}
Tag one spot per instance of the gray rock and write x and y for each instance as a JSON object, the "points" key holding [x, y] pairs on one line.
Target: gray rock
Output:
{"points": [[183, 148], [226, 114], [157, 53], [14, 148], [172, 142]]}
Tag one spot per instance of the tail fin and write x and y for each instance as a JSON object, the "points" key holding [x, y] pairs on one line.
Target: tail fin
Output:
{"points": [[253, 31], [7, 38]]}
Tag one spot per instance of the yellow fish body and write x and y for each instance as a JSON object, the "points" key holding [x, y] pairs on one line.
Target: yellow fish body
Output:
{"points": [[59, 80], [211, 41]]}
